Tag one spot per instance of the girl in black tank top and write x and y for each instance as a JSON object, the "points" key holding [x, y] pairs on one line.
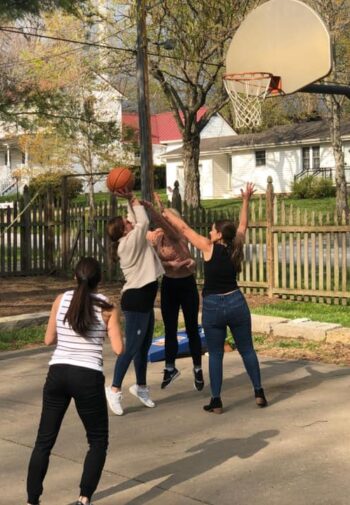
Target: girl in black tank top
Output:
{"points": [[223, 303], [219, 272]]}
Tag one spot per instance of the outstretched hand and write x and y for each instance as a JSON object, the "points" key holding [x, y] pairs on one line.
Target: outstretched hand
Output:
{"points": [[124, 193], [158, 201], [248, 192], [146, 204]]}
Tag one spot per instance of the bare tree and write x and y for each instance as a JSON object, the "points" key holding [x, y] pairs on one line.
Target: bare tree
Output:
{"points": [[336, 15], [191, 76]]}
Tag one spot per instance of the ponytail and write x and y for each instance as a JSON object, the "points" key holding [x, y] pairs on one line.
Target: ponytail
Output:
{"points": [[233, 242], [80, 314], [237, 255]]}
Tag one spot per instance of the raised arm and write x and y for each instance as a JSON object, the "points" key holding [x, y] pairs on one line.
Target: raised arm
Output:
{"points": [[161, 222], [198, 241], [243, 220]]}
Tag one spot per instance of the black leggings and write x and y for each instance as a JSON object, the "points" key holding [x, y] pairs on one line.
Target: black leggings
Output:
{"points": [[86, 386], [176, 293]]}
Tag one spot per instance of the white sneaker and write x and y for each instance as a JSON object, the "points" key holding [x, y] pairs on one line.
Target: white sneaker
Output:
{"points": [[114, 401], [142, 393]]}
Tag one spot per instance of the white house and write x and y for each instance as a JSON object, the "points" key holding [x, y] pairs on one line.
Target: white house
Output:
{"points": [[283, 152], [108, 107], [167, 138]]}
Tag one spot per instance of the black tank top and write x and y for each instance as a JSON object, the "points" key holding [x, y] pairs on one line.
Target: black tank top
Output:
{"points": [[219, 272]]}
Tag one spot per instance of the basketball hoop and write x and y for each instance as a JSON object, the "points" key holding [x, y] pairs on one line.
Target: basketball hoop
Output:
{"points": [[247, 92]]}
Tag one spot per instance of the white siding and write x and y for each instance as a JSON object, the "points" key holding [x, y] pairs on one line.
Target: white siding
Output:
{"points": [[157, 151], [175, 172], [217, 127], [206, 177], [281, 165], [221, 176], [326, 157]]}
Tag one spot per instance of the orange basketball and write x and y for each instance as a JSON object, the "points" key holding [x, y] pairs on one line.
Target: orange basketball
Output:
{"points": [[120, 178]]}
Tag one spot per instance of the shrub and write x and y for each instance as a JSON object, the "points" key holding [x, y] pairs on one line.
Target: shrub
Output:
{"points": [[301, 188], [53, 180], [313, 187], [323, 188]]}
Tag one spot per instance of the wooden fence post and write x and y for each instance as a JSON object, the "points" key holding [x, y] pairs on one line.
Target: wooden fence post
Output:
{"points": [[65, 244], [269, 237], [25, 234], [49, 246]]}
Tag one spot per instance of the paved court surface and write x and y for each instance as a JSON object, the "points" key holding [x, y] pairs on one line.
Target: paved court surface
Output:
{"points": [[295, 452]]}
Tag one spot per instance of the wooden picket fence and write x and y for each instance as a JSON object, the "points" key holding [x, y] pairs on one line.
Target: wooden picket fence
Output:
{"points": [[288, 253]]}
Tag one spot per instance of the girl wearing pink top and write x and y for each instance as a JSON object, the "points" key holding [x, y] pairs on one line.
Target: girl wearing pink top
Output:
{"points": [[178, 289]]}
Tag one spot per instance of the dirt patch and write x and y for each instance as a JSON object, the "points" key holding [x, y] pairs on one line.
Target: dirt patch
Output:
{"points": [[27, 295], [336, 354]]}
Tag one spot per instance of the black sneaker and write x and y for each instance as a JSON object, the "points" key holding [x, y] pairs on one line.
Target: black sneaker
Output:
{"points": [[169, 376], [214, 406], [198, 379], [260, 398]]}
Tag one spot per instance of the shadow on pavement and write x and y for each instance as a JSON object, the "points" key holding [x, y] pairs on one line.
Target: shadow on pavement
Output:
{"points": [[203, 457]]}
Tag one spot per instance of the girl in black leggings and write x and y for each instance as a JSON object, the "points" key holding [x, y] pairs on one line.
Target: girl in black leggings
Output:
{"points": [[178, 290], [78, 324]]}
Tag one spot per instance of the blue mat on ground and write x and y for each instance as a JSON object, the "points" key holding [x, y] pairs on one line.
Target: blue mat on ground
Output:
{"points": [[156, 352]]}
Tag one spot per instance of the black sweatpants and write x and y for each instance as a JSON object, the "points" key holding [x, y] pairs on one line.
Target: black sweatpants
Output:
{"points": [[86, 386], [176, 293]]}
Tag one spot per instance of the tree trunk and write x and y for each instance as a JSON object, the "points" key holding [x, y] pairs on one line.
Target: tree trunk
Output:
{"points": [[91, 198], [340, 179], [191, 148]]}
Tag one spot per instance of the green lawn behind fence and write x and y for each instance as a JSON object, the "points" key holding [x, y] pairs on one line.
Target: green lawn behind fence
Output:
{"points": [[315, 311]]}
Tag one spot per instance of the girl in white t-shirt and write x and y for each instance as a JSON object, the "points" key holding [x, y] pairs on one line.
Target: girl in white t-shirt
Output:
{"points": [[79, 322]]}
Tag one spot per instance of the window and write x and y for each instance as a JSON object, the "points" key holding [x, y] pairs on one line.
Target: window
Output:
{"points": [[316, 157], [311, 158], [306, 158], [260, 158]]}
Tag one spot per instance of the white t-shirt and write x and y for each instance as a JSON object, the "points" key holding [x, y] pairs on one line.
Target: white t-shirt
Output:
{"points": [[75, 349]]}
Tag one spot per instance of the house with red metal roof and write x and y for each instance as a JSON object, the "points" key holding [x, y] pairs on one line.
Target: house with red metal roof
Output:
{"points": [[166, 135]]}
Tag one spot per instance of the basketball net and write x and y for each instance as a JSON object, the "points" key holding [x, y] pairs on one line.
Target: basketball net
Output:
{"points": [[247, 92]]}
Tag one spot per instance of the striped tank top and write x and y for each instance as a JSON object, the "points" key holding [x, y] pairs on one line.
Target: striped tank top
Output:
{"points": [[75, 349]]}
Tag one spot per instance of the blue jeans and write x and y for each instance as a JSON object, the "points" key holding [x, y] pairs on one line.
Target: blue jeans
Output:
{"points": [[139, 328], [220, 312]]}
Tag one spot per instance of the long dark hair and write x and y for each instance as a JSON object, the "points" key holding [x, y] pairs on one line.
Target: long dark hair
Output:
{"points": [[234, 243], [115, 231], [80, 314]]}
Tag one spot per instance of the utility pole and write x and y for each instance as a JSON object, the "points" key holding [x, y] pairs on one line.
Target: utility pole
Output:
{"points": [[147, 179]]}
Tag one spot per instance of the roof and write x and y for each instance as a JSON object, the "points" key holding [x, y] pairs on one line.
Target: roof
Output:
{"points": [[306, 132], [163, 126]]}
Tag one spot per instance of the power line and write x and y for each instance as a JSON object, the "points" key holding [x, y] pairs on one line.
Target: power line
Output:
{"points": [[103, 46], [62, 39], [46, 57]]}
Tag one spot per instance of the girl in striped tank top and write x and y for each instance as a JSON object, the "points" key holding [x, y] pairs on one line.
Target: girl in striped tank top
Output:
{"points": [[78, 324]]}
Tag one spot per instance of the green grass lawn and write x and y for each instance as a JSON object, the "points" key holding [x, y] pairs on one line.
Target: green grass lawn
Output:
{"points": [[25, 337], [314, 311], [227, 205], [34, 335]]}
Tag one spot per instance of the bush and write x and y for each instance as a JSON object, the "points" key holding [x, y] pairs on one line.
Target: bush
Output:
{"points": [[313, 187], [322, 188], [53, 181]]}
